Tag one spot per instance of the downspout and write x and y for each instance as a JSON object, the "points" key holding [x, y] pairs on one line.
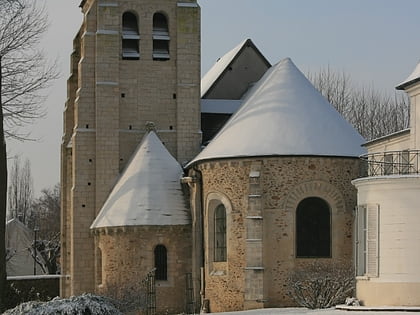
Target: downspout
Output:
{"points": [[203, 303], [194, 181]]}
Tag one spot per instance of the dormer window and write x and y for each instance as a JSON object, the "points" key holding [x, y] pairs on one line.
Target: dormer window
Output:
{"points": [[130, 36], [160, 37]]}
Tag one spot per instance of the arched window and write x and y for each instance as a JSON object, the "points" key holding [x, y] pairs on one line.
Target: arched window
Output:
{"points": [[160, 37], [313, 228], [220, 251], [130, 36], [98, 266], [161, 263]]}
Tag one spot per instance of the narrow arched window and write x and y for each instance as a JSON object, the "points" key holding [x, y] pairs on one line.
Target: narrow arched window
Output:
{"points": [[161, 263], [220, 251], [313, 228], [130, 36], [160, 37], [99, 266]]}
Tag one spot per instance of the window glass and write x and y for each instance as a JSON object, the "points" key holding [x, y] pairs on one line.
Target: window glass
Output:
{"points": [[220, 233], [313, 228], [161, 272]]}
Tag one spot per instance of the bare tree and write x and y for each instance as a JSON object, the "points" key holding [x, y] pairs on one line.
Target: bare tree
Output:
{"points": [[23, 74], [372, 113], [46, 217], [20, 191], [46, 213]]}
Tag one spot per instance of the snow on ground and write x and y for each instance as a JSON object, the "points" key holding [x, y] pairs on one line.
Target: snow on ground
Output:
{"points": [[76, 305], [287, 311]]}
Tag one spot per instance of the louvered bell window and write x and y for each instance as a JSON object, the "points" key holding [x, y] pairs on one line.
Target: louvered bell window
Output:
{"points": [[130, 37], [160, 37]]}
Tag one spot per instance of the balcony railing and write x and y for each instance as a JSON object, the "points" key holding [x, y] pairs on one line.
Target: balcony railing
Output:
{"points": [[391, 163]]}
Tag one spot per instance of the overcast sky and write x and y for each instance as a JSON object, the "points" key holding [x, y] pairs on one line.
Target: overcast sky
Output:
{"points": [[376, 42]]}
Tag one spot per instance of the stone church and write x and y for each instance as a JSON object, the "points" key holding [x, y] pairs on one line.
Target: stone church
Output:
{"points": [[235, 179]]}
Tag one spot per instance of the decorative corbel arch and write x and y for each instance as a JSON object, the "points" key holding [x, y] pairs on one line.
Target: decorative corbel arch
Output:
{"points": [[327, 192], [316, 188]]}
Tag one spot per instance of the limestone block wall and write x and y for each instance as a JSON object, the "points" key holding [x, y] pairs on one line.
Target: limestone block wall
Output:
{"points": [[284, 182], [127, 256], [110, 101]]}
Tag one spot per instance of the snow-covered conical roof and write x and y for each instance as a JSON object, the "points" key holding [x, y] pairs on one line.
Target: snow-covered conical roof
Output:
{"points": [[284, 115], [412, 78], [148, 191]]}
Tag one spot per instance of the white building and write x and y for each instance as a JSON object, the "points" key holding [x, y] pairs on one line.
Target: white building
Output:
{"points": [[387, 233]]}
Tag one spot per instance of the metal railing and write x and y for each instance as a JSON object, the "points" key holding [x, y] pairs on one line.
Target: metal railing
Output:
{"points": [[391, 163], [148, 285]]}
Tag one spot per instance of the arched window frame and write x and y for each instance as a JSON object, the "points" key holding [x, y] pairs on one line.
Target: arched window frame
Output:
{"points": [[161, 262], [160, 36], [313, 217], [333, 196], [213, 200], [130, 36]]}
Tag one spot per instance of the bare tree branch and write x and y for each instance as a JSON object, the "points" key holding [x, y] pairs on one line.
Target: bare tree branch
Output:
{"points": [[372, 113], [24, 74]]}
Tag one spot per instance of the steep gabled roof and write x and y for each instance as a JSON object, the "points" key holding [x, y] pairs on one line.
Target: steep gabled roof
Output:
{"points": [[222, 65], [413, 78], [148, 191], [284, 115]]}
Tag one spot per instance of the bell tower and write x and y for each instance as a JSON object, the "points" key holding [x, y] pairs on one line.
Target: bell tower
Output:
{"points": [[134, 62]]}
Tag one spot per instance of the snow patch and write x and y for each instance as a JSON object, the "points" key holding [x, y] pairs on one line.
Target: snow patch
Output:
{"points": [[75, 305]]}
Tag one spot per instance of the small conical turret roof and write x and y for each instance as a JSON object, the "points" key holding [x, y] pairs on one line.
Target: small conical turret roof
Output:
{"points": [[284, 115], [148, 191], [412, 78]]}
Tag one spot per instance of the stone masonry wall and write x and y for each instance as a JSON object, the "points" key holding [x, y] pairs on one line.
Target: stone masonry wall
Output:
{"points": [[284, 181], [110, 101], [127, 256]]}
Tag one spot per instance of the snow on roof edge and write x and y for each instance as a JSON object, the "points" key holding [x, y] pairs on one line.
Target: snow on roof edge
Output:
{"points": [[412, 78], [219, 67]]}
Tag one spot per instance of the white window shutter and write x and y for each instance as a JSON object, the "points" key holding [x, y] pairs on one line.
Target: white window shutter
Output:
{"points": [[360, 240], [372, 241]]}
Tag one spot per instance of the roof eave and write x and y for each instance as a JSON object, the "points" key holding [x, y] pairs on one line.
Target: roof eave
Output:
{"points": [[215, 159], [387, 137], [405, 85]]}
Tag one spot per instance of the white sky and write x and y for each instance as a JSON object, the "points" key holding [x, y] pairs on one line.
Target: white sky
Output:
{"points": [[376, 42]]}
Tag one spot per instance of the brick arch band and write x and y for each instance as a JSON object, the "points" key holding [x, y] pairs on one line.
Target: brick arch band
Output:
{"points": [[316, 188]]}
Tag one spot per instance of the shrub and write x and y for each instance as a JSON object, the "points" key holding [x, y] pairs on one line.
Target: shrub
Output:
{"points": [[321, 285]]}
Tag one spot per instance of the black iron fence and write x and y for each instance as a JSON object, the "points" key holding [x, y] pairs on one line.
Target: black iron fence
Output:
{"points": [[149, 288], [190, 306], [404, 162]]}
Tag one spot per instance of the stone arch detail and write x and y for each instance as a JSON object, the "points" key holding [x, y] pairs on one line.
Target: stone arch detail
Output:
{"points": [[316, 188]]}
